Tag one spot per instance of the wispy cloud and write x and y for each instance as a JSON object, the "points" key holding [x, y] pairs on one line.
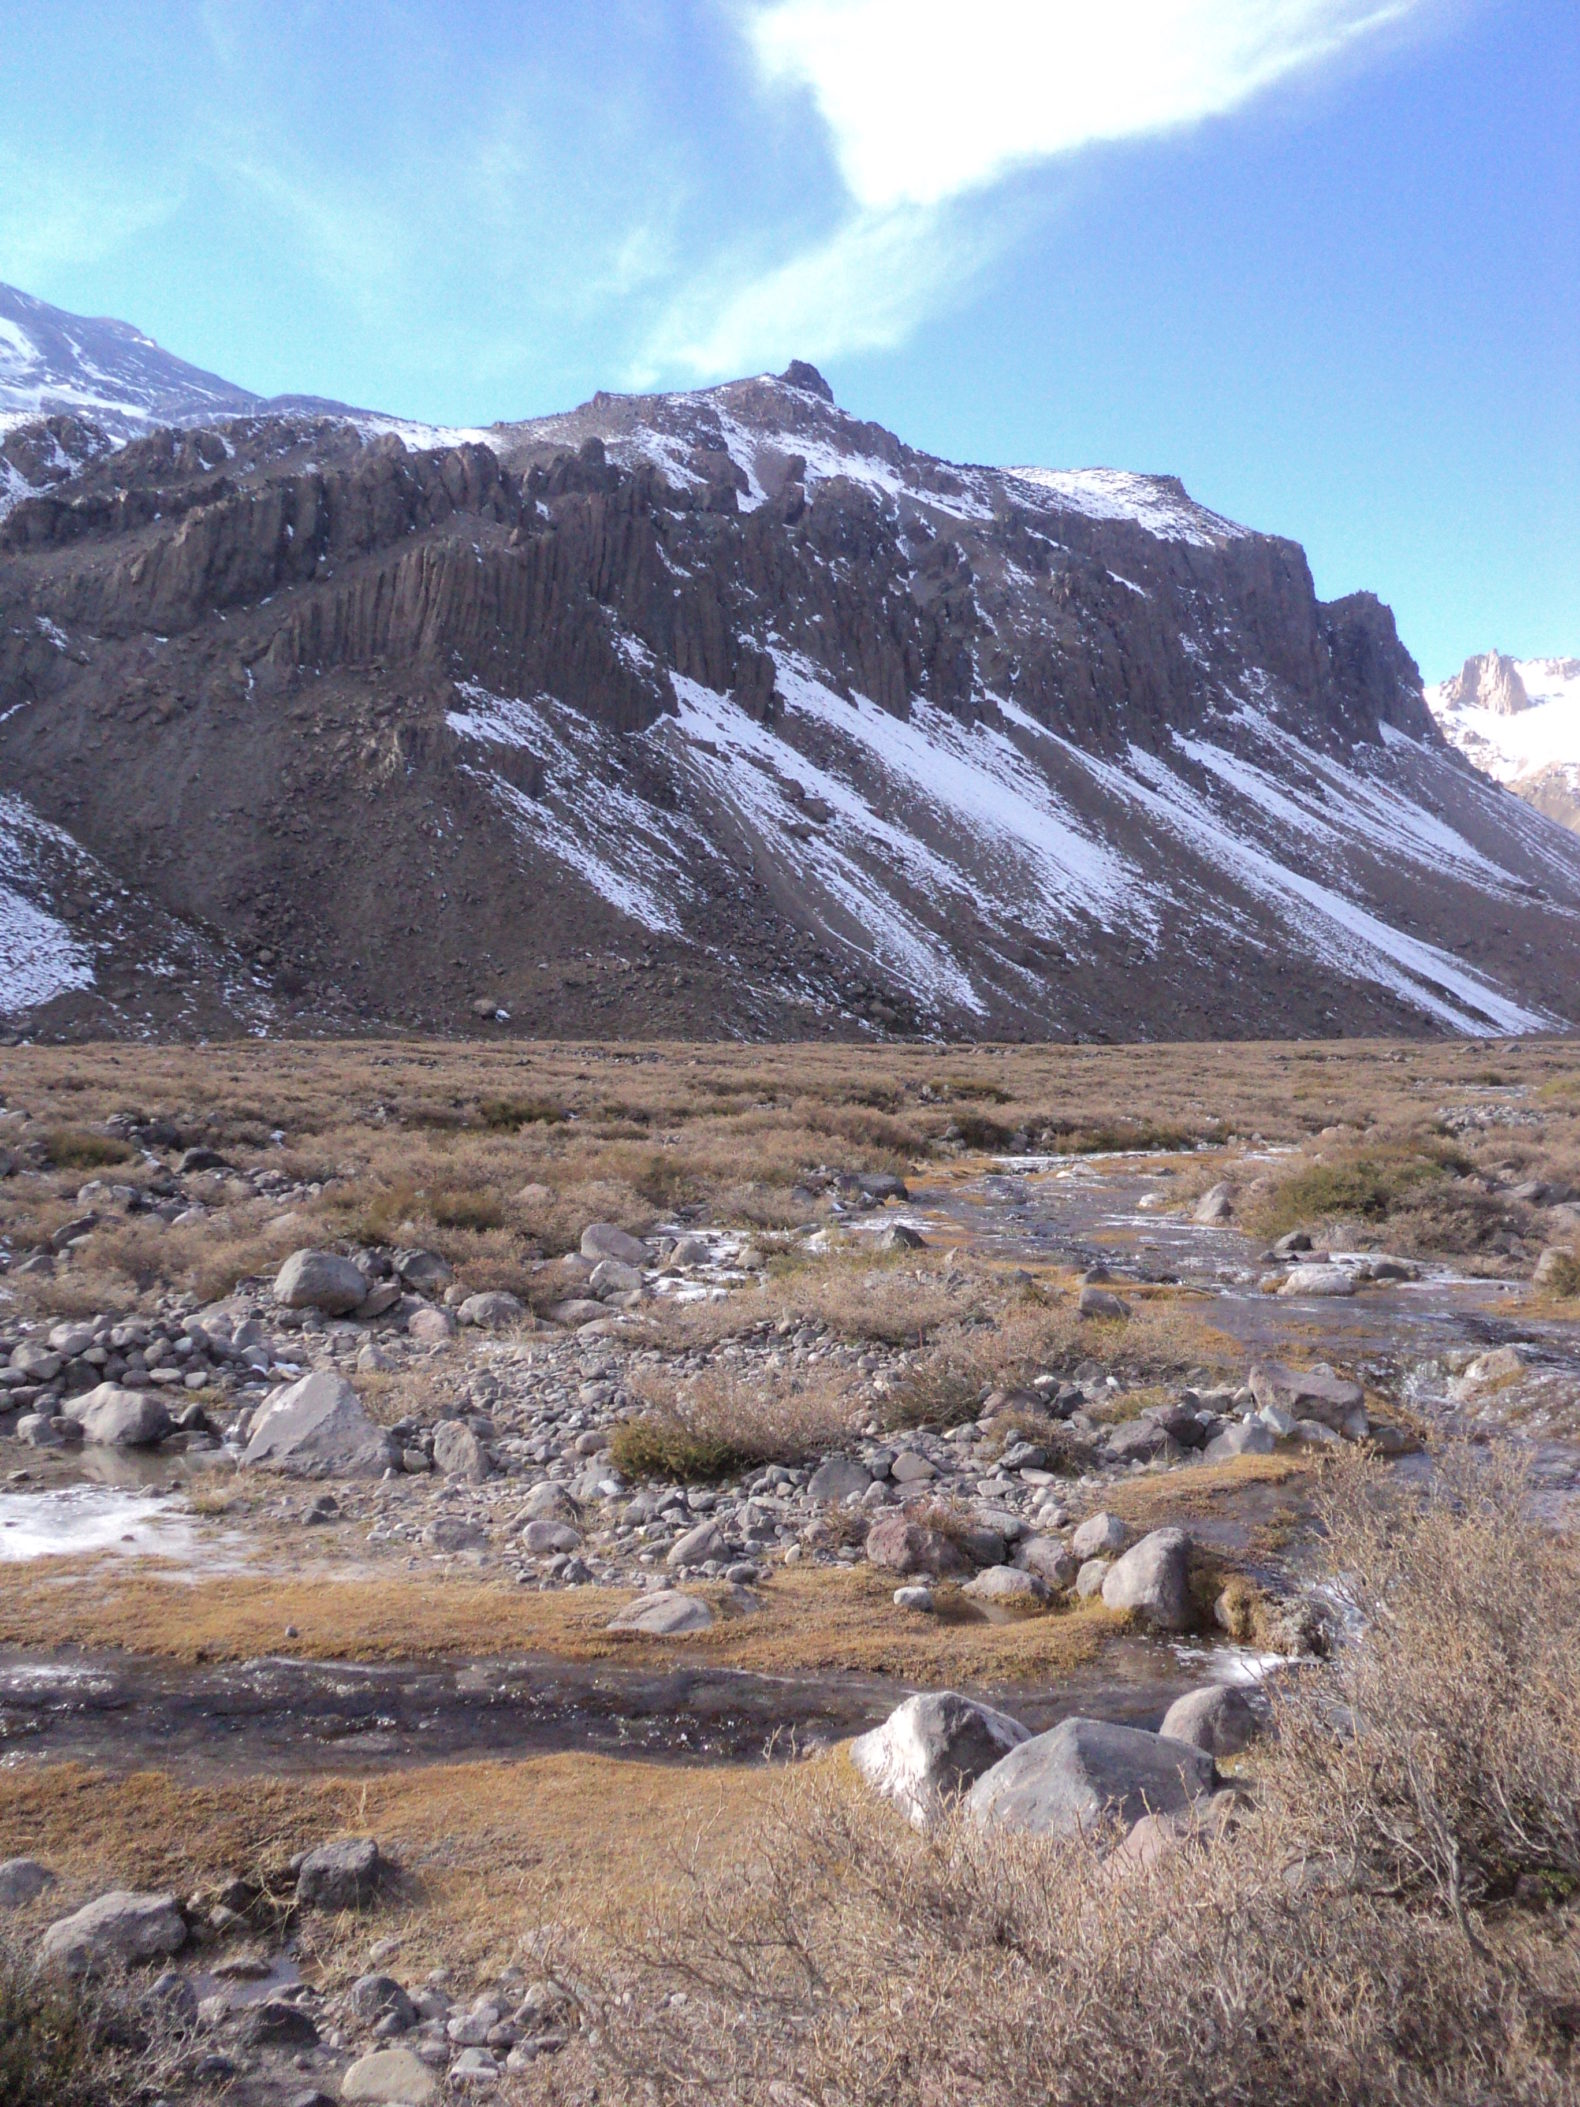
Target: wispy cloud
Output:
{"points": [[922, 104], [927, 114]]}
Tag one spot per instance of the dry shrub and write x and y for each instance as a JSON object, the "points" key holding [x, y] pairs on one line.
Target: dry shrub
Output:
{"points": [[75, 2044], [1343, 1945], [719, 1425], [890, 1301], [80, 1149], [1464, 1782]]}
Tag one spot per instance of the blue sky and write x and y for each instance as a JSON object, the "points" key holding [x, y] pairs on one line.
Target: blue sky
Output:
{"points": [[1319, 257]]}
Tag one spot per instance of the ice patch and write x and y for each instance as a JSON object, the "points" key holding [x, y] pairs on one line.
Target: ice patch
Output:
{"points": [[78, 1519]]}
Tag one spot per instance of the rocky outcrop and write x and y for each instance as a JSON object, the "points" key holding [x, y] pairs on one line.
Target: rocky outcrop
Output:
{"points": [[738, 693]]}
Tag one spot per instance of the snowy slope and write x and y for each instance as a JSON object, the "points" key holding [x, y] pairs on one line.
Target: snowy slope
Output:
{"points": [[1529, 741], [106, 372]]}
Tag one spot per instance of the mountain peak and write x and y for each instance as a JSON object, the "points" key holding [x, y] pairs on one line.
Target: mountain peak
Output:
{"points": [[799, 374]]}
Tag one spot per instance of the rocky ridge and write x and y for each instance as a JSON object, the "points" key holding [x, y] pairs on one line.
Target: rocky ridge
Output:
{"points": [[724, 711]]}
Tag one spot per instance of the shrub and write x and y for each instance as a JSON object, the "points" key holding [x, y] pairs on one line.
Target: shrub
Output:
{"points": [[1373, 1931], [80, 1149], [718, 1426], [508, 1114]]}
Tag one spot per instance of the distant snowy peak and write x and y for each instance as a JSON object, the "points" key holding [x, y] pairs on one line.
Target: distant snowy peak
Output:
{"points": [[1518, 721], [57, 364]]}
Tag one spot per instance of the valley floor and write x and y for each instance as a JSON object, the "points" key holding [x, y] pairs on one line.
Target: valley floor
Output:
{"points": [[665, 1416]]}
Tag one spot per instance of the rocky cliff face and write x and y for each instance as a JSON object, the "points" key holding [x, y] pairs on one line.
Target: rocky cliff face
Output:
{"points": [[722, 712]]}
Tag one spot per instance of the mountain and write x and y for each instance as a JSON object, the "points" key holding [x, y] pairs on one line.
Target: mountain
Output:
{"points": [[1518, 721], [721, 712]]}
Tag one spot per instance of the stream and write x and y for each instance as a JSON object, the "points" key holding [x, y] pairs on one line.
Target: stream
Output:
{"points": [[280, 1715]]}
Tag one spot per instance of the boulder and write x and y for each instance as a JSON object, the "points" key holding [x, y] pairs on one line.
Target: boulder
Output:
{"points": [[424, 1272], [1318, 1280], [431, 1326], [1218, 1719], [899, 1236], [375, 1997], [115, 1931], [1143, 1441], [908, 1468], [1090, 1576], [492, 1311], [1246, 1437], [899, 1545], [341, 1875], [1087, 1772], [320, 1280], [697, 1546], [457, 1452], [1049, 1560], [611, 1276], [1557, 1268], [932, 1748], [1102, 1302], [578, 1310], [390, 2077], [378, 1302], [664, 1613], [1215, 1205], [546, 1539], [1312, 1393], [604, 1240], [548, 1501], [838, 1479], [112, 1418], [316, 1427], [1152, 1581], [1101, 1535], [1010, 1585], [22, 1880]]}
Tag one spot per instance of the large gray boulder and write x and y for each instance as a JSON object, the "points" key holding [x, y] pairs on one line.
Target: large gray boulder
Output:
{"points": [[1311, 1393], [1087, 1772], [1219, 1719], [697, 1546], [664, 1613], [316, 1427], [932, 1748], [1318, 1280], [113, 1418], [605, 1240], [115, 1931], [389, 2077], [1152, 1581], [320, 1280]]}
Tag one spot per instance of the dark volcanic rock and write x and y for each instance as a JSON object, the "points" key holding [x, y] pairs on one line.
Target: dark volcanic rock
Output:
{"points": [[724, 711]]}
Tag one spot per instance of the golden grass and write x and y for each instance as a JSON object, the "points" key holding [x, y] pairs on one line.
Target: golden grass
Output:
{"points": [[490, 1852], [447, 1144], [813, 1619]]}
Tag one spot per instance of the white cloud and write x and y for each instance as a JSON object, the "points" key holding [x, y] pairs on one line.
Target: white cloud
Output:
{"points": [[927, 109], [924, 101], [864, 288]]}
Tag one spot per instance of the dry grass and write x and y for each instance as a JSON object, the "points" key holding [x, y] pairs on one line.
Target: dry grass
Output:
{"points": [[500, 1155], [1389, 1925], [717, 1425], [812, 1620]]}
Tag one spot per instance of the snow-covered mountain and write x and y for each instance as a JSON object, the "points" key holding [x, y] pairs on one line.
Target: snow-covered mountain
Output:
{"points": [[1518, 721], [722, 711]]}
